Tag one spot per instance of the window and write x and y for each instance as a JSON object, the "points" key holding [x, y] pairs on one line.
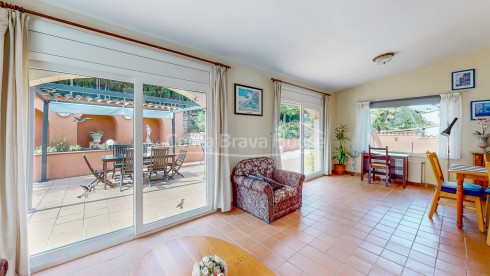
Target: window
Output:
{"points": [[406, 125]]}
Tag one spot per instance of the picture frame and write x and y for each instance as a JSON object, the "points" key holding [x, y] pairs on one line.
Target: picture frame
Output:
{"points": [[248, 100], [480, 109], [464, 79]]}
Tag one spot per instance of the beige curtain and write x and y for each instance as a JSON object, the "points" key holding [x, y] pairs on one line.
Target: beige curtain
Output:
{"points": [[14, 141], [327, 143], [221, 162], [276, 150]]}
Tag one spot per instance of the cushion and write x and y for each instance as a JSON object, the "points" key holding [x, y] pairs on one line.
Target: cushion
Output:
{"points": [[468, 189], [284, 193], [274, 184]]}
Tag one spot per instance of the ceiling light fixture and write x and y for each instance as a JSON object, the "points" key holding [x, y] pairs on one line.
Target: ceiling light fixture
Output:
{"points": [[384, 58]]}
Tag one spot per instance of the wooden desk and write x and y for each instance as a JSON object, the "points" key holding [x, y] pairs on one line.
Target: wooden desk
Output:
{"points": [[478, 161], [119, 158], [403, 177], [178, 256], [462, 172]]}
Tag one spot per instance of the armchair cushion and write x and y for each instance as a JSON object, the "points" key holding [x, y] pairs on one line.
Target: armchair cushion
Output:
{"points": [[253, 184], [284, 193], [274, 184]]}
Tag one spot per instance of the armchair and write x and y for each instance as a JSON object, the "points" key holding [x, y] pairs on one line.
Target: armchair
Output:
{"points": [[258, 198]]}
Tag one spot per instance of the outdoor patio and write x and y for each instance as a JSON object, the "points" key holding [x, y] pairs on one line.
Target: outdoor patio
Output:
{"points": [[60, 218]]}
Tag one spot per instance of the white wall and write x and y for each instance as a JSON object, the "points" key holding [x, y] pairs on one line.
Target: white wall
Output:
{"points": [[431, 79]]}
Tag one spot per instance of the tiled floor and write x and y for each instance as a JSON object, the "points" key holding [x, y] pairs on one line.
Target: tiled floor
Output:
{"points": [[346, 227], [62, 218]]}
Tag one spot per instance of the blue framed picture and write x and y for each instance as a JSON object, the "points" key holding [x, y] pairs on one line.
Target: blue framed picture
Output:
{"points": [[463, 79], [480, 109], [248, 100]]}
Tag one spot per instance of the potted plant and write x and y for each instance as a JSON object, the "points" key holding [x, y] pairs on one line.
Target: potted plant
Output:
{"points": [[96, 136], [342, 154], [482, 137]]}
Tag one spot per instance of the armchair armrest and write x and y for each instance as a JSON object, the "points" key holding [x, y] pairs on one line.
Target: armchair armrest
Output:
{"points": [[252, 184], [288, 178]]}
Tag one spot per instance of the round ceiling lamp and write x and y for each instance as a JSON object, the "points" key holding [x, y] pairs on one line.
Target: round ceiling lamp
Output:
{"points": [[384, 58]]}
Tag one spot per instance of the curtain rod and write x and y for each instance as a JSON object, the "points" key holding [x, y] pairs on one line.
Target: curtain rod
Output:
{"points": [[21, 9], [273, 79]]}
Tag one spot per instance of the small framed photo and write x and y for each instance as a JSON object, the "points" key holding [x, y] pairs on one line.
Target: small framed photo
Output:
{"points": [[248, 100], [463, 79], [480, 109]]}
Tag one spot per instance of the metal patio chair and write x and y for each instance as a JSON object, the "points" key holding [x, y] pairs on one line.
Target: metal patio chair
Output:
{"points": [[118, 150], [99, 177]]}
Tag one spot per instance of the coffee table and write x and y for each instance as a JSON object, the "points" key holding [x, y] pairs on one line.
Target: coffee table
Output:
{"points": [[178, 256]]}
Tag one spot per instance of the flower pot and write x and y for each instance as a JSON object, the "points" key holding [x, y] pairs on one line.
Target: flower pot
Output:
{"points": [[96, 137], [482, 141], [339, 169]]}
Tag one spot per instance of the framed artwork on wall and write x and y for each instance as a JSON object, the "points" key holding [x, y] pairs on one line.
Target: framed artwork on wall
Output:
{"points": [[248, 100], [480, 109], [463, 79]]}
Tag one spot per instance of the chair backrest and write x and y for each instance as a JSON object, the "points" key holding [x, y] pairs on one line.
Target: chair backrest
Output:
{"points": [[128, 161], [486, 158], [436, 168], [119, 149], [181, 157], [88, 165], [380, 156], [159, 157]]}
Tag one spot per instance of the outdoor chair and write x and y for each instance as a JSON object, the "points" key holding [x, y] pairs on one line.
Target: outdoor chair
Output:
{"points": [[118, 150], [127, 167], [146, 147], [178, 163], [159, 163], [203, 147], [99, 177]]}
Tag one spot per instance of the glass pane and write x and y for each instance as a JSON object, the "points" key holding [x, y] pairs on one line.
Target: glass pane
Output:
{"points": [[312, 139], [77, 122], [289, 137], [411, 129], [174, 141]]}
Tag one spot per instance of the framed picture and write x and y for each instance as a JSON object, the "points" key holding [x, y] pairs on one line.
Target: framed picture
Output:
{"points": [[248, 100], [463, 79], [480, 109]]}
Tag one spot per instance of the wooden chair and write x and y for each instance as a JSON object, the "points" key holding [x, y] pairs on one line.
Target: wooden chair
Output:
{"points": [[159, 158], [178, 163], [99, 177], [127, 167], [380, 161], [487, 201], [472, 193]]}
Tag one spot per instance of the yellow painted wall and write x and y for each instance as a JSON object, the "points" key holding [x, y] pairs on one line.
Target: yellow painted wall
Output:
{"points": [[431, 79]]}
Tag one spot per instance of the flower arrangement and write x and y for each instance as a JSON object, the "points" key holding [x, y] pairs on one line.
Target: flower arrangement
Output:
{"points": [[484, 123], [210, 266]]}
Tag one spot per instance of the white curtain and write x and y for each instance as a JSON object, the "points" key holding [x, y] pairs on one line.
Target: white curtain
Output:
{"points": [[221, 162], [276, 150], [327, 142], [14, 140], [451, 107], [363, 132]]}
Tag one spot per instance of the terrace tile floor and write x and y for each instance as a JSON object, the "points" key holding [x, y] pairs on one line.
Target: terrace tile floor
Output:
{"points": [[60, 218], [346, 227]]}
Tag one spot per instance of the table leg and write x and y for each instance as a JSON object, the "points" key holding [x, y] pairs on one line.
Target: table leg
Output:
{"points": [[405, 172], [459, 201], [362, 167], [104, 164]]}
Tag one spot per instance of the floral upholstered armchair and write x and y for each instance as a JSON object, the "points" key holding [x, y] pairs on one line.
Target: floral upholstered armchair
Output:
{"points": [[257, 197]]}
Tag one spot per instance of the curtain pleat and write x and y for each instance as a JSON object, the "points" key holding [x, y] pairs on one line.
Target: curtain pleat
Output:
{"points": [[327, 141], [221, 168], [276, 150], [451, 107], [363, 133], [14, 141]]}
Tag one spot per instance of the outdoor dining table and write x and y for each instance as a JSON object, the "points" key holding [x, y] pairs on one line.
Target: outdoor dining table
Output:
{"points": [[108, 158], [468, 172]]}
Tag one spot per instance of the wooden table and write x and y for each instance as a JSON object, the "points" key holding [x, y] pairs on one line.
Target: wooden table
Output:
{"points": [[478, 161], [177, 257], [403, 177], [468, 172], [119, 158]]}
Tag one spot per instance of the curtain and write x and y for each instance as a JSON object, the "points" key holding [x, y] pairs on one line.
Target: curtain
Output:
{"points": [[276, 150], [221, 168], [14, 140], [363, 133], [451, 107], [327, 142]]}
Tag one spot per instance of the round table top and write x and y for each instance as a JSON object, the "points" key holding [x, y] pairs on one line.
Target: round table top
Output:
{"points": [[178, 256]]}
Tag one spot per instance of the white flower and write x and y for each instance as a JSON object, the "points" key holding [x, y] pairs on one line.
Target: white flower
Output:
{"points": [[205, 259]]}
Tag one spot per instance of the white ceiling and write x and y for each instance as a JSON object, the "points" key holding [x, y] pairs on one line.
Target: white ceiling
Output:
{"points": [[327, 43]]}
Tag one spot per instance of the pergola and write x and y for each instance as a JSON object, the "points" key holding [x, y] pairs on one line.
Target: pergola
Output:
{"points": [[90, 101]]}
